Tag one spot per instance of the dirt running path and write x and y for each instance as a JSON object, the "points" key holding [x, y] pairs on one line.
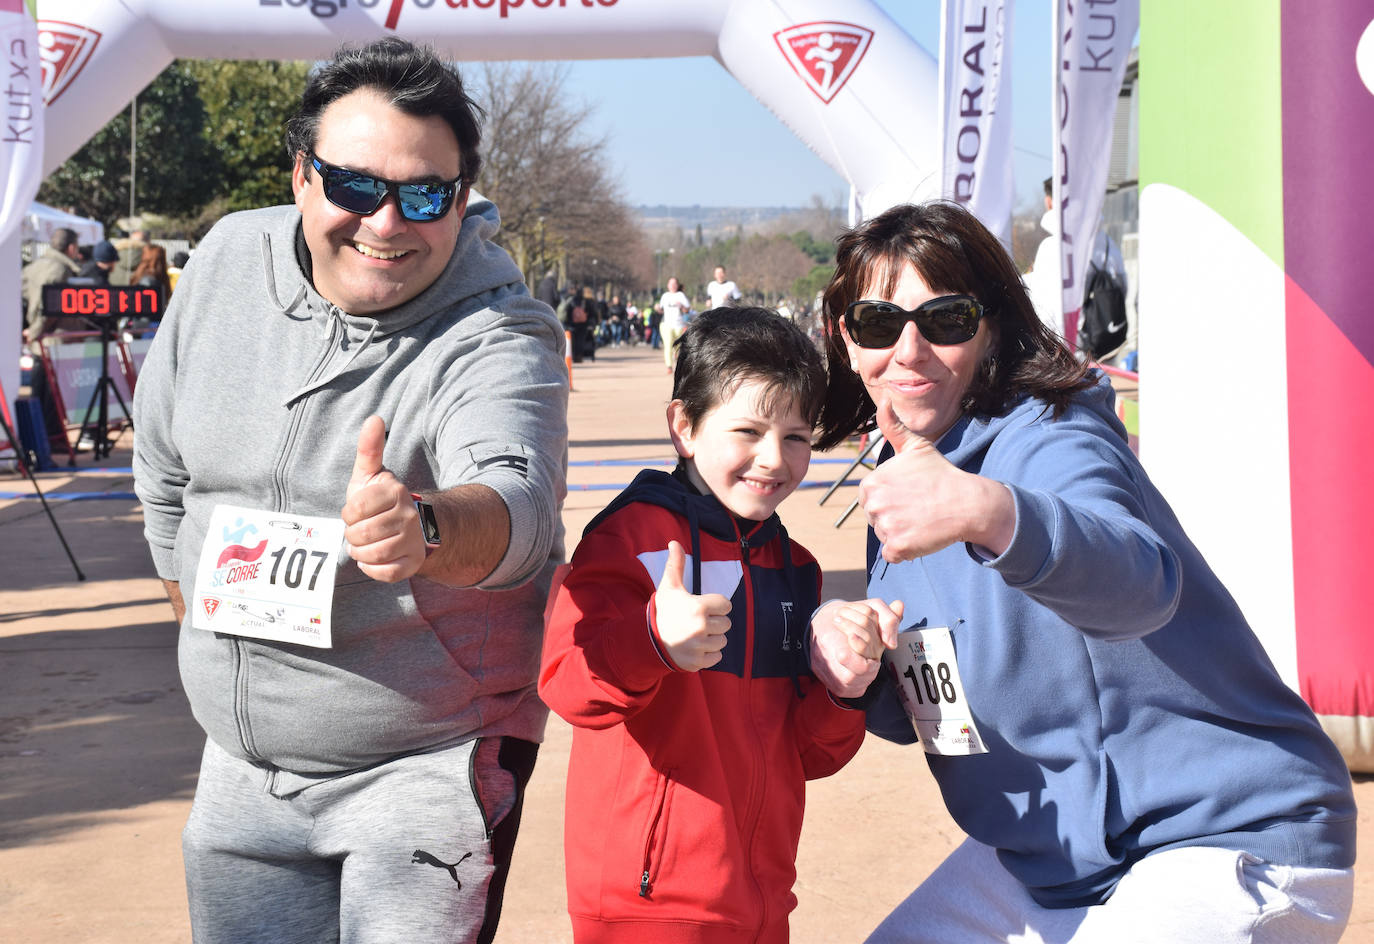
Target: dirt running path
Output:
{"points": [[98, 751]]}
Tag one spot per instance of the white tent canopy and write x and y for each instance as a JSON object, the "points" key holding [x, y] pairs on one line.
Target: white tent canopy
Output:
{"points": [[41, 220]]}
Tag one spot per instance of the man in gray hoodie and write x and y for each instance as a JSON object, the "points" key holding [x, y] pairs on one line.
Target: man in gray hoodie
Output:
{"points": [[351, 452]]}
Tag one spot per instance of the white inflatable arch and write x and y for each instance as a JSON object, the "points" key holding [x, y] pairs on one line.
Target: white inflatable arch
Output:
{"points": [[839, 73]]}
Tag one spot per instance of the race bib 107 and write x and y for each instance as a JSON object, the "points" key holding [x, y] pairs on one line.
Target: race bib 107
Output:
{"points": [[268, 575]]}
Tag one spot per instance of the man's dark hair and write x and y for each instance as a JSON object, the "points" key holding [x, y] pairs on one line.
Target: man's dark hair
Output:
{"points": [[411, 78], [724, 347], [953, 253], [62, 238], [1049, 186]]}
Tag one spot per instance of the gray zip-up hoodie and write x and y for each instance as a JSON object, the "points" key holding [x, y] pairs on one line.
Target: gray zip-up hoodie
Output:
{"points": [[253, 394]]}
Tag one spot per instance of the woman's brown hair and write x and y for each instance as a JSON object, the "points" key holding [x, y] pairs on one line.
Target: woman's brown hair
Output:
{"points": [[953, 253]]}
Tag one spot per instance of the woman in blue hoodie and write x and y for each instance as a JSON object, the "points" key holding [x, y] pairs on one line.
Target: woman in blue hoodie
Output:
{"points": [[1101, 720]]}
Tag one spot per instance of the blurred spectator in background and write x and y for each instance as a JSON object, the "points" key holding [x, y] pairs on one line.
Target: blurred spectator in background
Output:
{"points": [[104, 259], [130, 255], [179, 260], [54, 266], [548, 290], [152, 271], [722, 291]]}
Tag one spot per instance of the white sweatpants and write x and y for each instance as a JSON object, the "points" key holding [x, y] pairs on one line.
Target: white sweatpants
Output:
{"points": [[1192, 895]]}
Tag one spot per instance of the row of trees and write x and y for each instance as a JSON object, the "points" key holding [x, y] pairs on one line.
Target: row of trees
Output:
{"points": [[209, 141], [208, 135], [561, 208], [768, 268]]}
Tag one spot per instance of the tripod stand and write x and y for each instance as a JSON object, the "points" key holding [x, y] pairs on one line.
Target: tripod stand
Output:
{"points": [[100, 396], [22, 460], [877, 439]]}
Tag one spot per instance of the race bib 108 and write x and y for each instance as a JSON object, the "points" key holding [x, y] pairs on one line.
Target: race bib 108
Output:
{"points": [[927, 676]]}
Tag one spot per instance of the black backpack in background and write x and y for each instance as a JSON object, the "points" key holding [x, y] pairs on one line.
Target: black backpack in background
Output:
{"points": [[1103, 330]]}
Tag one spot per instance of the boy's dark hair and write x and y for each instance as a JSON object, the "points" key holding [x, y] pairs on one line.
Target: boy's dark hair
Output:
{"points": [[411, 78], [723, 347]]}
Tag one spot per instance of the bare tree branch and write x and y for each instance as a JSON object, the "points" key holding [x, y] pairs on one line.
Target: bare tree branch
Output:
{"points": [[547, 174]]}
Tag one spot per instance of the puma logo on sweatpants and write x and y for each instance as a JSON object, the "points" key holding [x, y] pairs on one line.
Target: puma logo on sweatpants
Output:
{"points": [[420, 856]]}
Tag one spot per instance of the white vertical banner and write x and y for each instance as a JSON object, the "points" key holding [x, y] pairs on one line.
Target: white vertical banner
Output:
{"points": [[975, 110], [21, 162], [1092, 41]]}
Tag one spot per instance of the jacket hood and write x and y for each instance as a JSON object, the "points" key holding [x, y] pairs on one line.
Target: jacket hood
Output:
{"points": [[475, 271], [974, 434], [676, 493]]}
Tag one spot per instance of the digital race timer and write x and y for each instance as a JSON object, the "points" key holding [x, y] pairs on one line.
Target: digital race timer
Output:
{"points": [[102, 301]]}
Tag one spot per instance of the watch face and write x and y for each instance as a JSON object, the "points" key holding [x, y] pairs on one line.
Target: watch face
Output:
{"points": [[429, 524]]}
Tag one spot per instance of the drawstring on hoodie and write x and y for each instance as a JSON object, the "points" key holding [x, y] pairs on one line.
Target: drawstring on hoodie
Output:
{"points": [[695, 531], [357, 350], [269, 275], [793, 647]]}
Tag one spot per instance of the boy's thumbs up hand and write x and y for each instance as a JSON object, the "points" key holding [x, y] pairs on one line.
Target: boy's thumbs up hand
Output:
{"points": [[382, 527], [675, 571], [691, 628]]}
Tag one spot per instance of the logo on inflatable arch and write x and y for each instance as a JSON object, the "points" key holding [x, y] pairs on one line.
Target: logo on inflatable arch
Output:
{"points": [[824, 55], [63, 49]]}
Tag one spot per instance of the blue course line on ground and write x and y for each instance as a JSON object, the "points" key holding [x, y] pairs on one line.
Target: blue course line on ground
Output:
{"points": [[72, 496], [639, 463], [652, 463], [130, 496], [60, 471], [609, 487]]}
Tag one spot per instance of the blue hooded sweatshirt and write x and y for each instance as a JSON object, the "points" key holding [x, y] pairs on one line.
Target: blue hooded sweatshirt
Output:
{"points": [[1125, 703]]}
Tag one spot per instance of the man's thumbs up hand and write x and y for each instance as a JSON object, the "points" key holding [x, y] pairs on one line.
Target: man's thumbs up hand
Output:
{"points": [[367, 463], [382, 527], [691, 628]]}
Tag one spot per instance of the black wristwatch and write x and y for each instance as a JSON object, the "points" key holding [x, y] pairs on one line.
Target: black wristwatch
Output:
{"points": [[429, 522]]}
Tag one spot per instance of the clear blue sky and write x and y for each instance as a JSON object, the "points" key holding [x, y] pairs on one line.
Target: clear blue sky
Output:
{"points": [[639, 104]]}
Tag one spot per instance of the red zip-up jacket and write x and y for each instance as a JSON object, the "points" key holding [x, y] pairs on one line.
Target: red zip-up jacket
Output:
{"points": [[686, 789]]}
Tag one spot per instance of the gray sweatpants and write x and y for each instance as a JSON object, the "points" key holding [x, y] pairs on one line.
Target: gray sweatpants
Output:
{"points": [[416, 849]]}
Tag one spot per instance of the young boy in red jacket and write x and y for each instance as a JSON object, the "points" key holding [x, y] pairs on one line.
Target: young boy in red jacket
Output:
{"points": [[675, 646]]}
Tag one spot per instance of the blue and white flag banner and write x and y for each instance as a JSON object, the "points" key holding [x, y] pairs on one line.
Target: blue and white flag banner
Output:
{"points": [[1092, 43], [21, 163], [976, 110]]}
